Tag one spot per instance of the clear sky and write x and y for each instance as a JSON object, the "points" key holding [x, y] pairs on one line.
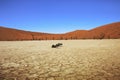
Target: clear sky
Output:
{"points": [[58, 16]]}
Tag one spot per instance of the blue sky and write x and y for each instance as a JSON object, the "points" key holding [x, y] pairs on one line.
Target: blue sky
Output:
{"points": [[58, 16]]}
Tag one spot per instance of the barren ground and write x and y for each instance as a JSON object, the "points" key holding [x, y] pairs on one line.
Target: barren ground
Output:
{"points": [[75, 60]]}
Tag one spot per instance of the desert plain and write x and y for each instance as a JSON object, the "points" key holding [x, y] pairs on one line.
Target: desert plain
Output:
{"points": [[74, 60]]}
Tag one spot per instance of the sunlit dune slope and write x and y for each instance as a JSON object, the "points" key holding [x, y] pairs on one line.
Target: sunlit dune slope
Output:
{"points": [[109, 31]]}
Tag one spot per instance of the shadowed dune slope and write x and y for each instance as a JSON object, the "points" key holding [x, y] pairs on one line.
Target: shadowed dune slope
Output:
{"points": [[109, 31]]}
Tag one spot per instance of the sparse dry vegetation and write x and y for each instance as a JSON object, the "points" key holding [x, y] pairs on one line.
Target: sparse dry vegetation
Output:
{"points": [[75, 60]]}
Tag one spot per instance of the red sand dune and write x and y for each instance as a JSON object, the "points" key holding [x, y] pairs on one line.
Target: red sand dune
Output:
{"points": [[109, 31]]}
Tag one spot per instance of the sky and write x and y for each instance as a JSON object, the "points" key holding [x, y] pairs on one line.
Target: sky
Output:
{"points": [[58, 16]]}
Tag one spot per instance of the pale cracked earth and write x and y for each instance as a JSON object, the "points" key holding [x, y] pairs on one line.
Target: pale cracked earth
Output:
{"points": [[75, 60]]}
